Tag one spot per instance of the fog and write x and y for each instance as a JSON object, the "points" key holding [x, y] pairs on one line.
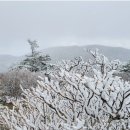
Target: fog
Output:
{"points": [[63, 24]]}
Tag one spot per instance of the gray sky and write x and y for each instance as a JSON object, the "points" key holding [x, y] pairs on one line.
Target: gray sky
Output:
{"points": [[62, 24]]}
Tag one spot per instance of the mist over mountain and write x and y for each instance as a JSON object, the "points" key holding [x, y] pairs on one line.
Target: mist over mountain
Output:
{"points": [[70, 52]]}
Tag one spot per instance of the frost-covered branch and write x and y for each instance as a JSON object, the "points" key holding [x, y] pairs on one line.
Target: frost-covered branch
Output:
{"points": [[77, 95]]}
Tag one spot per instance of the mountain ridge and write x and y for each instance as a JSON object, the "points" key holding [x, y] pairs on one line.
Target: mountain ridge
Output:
{"points": [[70, 52], [60, 52]]}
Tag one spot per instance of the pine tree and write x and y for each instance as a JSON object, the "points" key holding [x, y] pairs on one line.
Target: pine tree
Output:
{"points": [[126, 67], [36, 61]]}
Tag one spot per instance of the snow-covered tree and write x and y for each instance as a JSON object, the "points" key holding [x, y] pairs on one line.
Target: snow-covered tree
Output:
{"points": [[34, 46], [36, 61], [126, 67], [71, 99]]}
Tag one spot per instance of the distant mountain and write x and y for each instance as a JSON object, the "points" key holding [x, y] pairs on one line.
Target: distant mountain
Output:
{"points": [[70, 52]]}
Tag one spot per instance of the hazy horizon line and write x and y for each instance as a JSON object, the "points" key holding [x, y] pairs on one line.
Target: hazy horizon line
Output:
{"points": [[58, 46]]}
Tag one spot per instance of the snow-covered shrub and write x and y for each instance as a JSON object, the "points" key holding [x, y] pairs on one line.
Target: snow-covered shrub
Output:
{"points": [[69, 99], [11, 81], [124, 75]]}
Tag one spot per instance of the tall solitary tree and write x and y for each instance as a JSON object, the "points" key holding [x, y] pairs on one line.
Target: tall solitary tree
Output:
{"points": [[36, 61], [33, 45]]}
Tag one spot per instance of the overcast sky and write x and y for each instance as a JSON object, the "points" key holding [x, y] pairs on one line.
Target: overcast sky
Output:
{"points": [[63, 24]]}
